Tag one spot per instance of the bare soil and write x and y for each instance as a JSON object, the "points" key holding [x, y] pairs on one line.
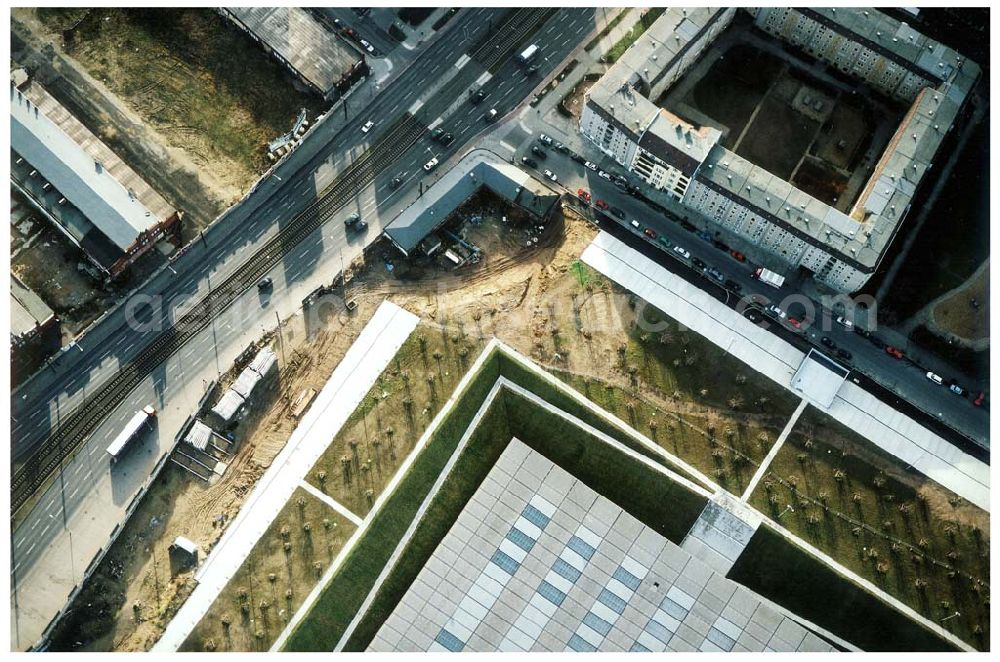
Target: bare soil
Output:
{"points": [[956, 314]]}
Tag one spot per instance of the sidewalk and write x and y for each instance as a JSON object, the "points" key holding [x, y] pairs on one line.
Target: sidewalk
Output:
{"points": [[885, 427], [349, 383]]}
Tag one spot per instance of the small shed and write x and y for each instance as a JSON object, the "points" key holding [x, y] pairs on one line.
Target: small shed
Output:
{"points": [[184, 551], [199, 435], [228, 405]]}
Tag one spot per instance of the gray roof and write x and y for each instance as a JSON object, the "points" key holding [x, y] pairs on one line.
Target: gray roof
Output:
{"points": [[83, 181], [538, 561], [478, 168], [27, 310], [309, 48]]}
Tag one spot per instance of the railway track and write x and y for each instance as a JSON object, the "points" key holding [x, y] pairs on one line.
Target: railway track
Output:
{"points": [[78, 425], [492, 53]]}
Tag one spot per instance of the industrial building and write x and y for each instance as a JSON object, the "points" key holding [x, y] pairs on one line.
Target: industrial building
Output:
{"points": [[316, 56], [34, 328], [685, 163], [480, 168], [78, 193], [538, 561]]}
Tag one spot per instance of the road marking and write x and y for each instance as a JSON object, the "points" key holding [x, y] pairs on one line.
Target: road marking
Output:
{"points": [[462, 61], [74, 492], [79, 469], [18, 544], [29, 549], [42, 532], [434, 124], [417, 105], [485, 78], [303, 254], [507, 147]]}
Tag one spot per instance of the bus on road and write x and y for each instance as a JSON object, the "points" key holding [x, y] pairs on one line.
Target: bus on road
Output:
{"points": [[131, 430]]}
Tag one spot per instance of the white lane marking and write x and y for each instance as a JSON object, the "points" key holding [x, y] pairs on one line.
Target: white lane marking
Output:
{"points": [[28, 551], [462, 61], [417, 105], [303, 254]]}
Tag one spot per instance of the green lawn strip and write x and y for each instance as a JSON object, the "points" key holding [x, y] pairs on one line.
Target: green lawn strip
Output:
{"points": [[252, 609], [637, 30], [344, 594], [607, 30], [778, 570], [851, 501]]}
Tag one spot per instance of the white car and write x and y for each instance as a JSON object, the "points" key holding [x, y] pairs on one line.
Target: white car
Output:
{"points": [[636, 225], [935, 378], [368, 46], [430, 165], [551, 175], [542, 138], [683, 253], [367, 127], [592, 166], [777, 312], [604, 175], [846, 323]]}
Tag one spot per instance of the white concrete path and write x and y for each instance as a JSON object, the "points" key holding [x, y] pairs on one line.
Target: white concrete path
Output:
{"points": [[766, 462], [378, 342], [340, 508], [761, 350]]}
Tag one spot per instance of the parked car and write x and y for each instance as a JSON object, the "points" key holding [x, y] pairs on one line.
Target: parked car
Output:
{"points": [[544, 139], [635, 224], [551, 175], [893, 352], [604, 175], [687, 226], [936, 378], [753, 315], [584, 195], [738, 256], [615, 211], [367, 127], [957, 390], [666, 243], [844, 354], [651, 233], [707, 236], [589, 165], [600, 204], [698, 263], [795, 323], [430, 165], [561, 148], [777, 312], [579, 159], [368, 46], [721, 246], [683, 253], [828, 342], [715, 275], [531, 163], [538, 151], [980, 399], [864, 333], [844, 322], [733, 285]]}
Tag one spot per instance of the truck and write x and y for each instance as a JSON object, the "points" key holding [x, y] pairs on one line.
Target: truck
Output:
{"points": [[131, 431], [768, 277], [528, 54]]}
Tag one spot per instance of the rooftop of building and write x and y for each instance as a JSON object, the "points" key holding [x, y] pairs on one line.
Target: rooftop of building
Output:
{"points": [[477, 169], [539, 561], [85, 183], [314, 52], [27, 310]]}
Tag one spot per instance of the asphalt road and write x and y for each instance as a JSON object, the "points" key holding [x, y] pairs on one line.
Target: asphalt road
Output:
{"points": [[903, 380]]}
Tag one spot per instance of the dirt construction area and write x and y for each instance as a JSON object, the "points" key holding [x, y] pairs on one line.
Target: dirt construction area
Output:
{"points": [[188, 100], [965, 313]]}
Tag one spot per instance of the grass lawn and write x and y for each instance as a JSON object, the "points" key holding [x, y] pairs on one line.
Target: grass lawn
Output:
{"points": [[776, 569], [192, 75], [905, 534], [279, 573]]}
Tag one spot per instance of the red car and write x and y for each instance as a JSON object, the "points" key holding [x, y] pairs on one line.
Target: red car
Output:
{"points": [[583, 194], [794, 322], [738, 256], [980, 399], [651, 233], [893, 352], [601, 204]]}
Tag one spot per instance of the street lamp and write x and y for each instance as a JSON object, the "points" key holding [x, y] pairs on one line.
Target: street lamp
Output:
{"points": [[72, 568], [788, 508], [957, 613]]}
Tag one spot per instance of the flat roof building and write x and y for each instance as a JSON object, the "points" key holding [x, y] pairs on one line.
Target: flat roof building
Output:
{"points": [[538, 561], [31, 320], [319, 58], [689, 165], [477, 169], [77, 193]]}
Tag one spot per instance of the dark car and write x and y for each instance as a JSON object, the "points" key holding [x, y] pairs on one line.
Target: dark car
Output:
{"points": [[826, 340], [447, 139], [733, 285], [265, 284], [477, 97], [864, 333], [437, 133], [844, 354], [615, 211], [538, 151], [687, 226], [562, 148], [705, 236], [396, 181], [352, 220], [715, 275], [957, 390], [753, 315], [698, 263], [579, 159], [531, 163], [721, 246]]}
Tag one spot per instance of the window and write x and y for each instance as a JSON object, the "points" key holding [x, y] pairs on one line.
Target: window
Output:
{"points": [[551, 593], [627, 578], [597, 624], [638, 648], [577, 643], [673, 609], [720, 639], [612, 601], [581, 547], [535, 516], [449, 641], [506, 563], [659, 631], [565, 570], [521, 539]]}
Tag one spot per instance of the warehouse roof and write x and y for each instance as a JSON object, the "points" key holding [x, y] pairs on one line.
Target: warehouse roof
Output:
{"points": [[85, 183], [27, 310], [477, 169]]}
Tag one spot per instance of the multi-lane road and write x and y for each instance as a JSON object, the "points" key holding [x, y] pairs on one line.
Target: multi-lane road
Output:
{"points": [[187, 323]]}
